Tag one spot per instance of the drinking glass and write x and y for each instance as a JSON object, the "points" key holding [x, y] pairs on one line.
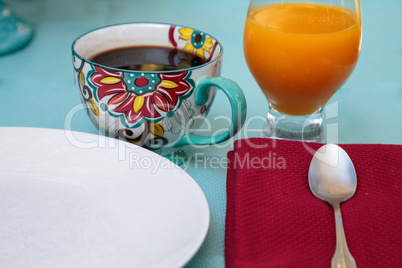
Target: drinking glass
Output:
{"points": [[300, 53]]}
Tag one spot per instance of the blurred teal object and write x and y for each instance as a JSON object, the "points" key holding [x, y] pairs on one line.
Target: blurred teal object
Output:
{"points": [[14, 32]]}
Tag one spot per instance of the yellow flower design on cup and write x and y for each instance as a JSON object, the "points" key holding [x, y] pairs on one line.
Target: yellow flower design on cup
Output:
{"points": [[199, 42]]}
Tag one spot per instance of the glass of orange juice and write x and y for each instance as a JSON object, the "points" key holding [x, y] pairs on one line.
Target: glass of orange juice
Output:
{"points": [[300, 53]]}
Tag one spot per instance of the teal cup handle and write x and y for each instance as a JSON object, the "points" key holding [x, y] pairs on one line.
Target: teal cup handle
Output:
{"points": [[237, 102]]}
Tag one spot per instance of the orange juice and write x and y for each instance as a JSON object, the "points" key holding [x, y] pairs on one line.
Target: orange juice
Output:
{"points": [[301, 53]]}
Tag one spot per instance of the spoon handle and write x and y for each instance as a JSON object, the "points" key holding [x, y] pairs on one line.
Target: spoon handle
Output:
{"points": [[342, 257]]}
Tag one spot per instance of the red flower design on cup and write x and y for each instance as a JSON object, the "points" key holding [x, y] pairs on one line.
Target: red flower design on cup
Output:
{"points": [[141, 95]]}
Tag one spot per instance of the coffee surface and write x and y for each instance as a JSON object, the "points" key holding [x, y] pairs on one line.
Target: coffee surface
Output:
{"points": [[148, 58]]}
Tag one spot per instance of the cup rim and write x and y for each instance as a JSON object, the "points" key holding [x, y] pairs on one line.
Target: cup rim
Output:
{"points": [[136, 71]]}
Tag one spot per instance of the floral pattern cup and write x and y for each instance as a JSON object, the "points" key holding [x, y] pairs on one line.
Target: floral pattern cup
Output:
{"points": [[158, 109]]}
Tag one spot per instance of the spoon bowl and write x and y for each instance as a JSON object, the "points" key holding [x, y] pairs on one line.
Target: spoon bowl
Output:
{"points": [[332, 178]]}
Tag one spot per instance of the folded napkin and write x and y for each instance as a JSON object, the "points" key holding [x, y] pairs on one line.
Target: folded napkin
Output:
{"points": [[273, 220]]}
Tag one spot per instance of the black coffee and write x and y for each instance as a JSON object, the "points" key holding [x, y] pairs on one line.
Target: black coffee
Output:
{"points": [[148, 58]]}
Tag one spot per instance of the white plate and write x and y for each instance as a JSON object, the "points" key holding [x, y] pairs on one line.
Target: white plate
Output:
{"points": [[70, 199]]}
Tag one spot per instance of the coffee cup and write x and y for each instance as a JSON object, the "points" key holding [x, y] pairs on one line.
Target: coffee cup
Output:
{"points": [[160, 98]]}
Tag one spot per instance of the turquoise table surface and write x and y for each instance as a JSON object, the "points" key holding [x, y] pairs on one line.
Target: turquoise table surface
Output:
{"points": [[37, 88]]}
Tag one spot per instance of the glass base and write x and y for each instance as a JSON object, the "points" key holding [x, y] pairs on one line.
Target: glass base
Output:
{"points": [[288, 127]]}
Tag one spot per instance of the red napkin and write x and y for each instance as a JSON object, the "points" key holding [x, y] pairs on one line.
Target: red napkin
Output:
{"points": [[273, 220]]}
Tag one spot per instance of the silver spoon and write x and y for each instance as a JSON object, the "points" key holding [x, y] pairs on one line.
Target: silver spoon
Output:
{"points": [[332, 178]]}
